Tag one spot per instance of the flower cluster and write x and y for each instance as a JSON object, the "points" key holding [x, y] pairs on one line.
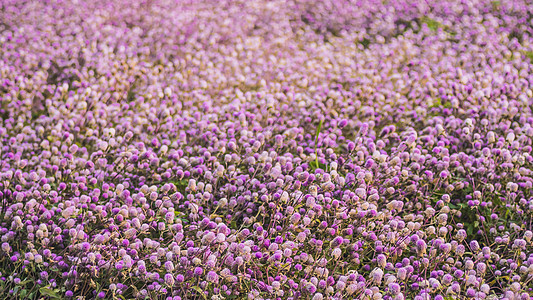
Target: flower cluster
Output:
{"points": [[286, 149]]}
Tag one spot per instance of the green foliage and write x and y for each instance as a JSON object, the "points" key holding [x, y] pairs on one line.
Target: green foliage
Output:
{"points": [[181, 184], [529, 55], [431, 23], [200, 291], [365, 42], [318, 129], [50, 293], [131, 91], [314, 165]]}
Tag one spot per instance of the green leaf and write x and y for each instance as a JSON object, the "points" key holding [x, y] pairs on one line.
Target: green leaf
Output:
{"points": [[50, 293], [529, 54], [318, 130], [507, 278], [365, 42], [432, 24], [181, 182], [436, 103], [469, 230], [316, 141], [315, 165], [200, 291], [24, 282]]}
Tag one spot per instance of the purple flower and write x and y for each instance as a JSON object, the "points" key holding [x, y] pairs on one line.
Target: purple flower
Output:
{"points": [[212, 276], [394, 288]]}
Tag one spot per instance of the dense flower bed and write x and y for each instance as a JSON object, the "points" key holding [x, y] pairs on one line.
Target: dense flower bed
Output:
{"points": [[266, 149]]}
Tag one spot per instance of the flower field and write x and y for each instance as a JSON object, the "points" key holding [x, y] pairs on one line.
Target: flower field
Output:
{"points": [[251, 149]]}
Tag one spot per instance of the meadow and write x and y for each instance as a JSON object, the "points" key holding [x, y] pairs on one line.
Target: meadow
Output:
{"points": [[284, 149]]}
